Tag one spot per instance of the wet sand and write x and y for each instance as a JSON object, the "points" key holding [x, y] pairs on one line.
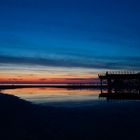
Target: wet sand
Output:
{"points": [[23, 120]]}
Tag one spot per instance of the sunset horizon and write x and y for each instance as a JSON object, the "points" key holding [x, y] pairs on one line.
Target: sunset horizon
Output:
{"points": [[69, 69], [60, 40]]}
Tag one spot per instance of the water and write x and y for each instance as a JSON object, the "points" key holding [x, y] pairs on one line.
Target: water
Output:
{"points": [[57, 95], [64, 97]]}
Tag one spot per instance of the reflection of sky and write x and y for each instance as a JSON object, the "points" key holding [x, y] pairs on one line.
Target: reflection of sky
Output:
{"points": [[45, 95], [78, 34]]}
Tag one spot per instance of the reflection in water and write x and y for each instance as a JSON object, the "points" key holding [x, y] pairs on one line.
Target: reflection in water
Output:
{"points": [[43, 95]]}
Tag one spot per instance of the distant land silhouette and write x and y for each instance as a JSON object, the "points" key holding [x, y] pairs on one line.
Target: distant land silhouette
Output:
{"points": [[72, 86]]}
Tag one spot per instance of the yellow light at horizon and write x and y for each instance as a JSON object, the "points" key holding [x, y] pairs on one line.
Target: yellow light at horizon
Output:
{"points": [[46, 74]]}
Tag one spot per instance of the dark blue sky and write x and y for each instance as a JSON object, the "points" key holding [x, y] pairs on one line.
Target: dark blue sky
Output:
{"points": [[91, 34]]}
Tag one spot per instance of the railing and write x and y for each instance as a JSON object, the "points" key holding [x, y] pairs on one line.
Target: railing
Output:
{"points": [[118, 73]]}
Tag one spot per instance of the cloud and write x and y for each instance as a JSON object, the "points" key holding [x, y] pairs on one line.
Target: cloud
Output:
{"points": [[95, 63], [82, 79], [15, 79], [43, 79]]}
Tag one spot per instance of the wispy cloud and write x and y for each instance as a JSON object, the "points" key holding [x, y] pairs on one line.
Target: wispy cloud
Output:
{"points": [[96, 63]]}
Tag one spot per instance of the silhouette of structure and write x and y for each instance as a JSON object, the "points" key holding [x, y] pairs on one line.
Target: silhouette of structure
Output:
{"points": [[120, 84]]}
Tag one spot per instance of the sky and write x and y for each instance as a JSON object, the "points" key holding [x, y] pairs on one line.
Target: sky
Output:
{"points": [[67, 41]]}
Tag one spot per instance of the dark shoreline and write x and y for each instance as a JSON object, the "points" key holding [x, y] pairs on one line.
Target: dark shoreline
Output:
{"points": [[23, 120], [2, 87]]}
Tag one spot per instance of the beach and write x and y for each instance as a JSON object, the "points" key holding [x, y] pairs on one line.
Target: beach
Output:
{"points": [[115, 120]]}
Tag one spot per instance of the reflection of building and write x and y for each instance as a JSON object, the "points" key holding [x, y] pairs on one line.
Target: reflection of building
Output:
{"points": [[120, 83]]}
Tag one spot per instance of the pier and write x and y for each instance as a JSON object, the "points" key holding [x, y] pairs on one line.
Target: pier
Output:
{"points": [[120, 84]]}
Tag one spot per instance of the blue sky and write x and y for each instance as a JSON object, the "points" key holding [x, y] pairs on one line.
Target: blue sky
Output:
{"points": [[86, 34]]}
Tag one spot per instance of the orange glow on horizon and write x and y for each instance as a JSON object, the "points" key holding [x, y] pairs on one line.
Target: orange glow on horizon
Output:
{"points": [[37, 79], [71, 76]]}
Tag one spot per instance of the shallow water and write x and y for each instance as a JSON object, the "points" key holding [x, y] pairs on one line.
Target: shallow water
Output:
{"points": [[65, 97], [49, 95]]}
